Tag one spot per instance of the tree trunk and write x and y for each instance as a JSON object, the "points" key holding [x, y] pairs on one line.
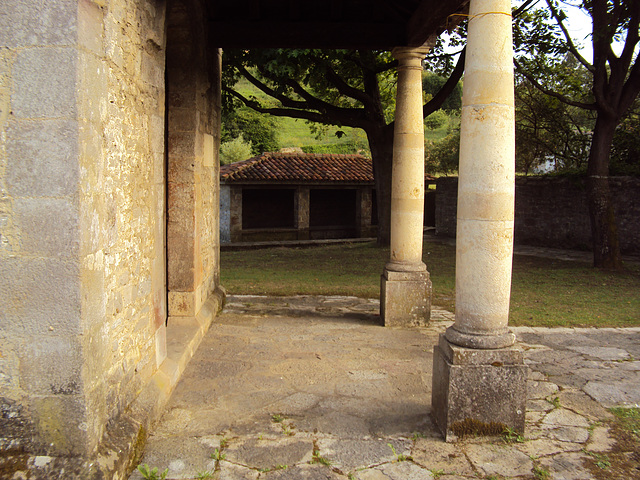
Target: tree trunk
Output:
{"points": [[604, 230], [381, 145]]}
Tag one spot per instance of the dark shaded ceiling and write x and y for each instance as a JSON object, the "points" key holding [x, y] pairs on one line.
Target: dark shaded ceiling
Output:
{"points": [[372, 24]]}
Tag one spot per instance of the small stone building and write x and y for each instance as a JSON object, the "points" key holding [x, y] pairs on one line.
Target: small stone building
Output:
{"points": [[300, 196]]}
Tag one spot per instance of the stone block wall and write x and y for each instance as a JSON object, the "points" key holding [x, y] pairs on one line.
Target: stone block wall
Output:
{"points": [[553, 211], [121, 159], [82, 284]]}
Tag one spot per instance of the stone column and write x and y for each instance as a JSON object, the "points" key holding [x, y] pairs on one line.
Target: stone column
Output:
{"points": [[302, 213], [405, 294], [479, 377]]}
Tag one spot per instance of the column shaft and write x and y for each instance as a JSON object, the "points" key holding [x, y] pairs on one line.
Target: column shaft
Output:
{"points": [[407, 186], [486, 185], [405, 293]]}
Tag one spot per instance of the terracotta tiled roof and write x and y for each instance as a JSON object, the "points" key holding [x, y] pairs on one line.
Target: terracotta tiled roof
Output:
{"points": [[300, 167]]}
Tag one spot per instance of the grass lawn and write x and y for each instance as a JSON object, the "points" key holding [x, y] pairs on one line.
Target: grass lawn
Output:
{"points": [[545, 292]]}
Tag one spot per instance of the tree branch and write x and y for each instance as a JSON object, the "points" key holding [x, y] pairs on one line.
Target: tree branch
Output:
{"points": [[551, 93], [346, 89], [316, 103], [565, 32], [351, 118], [286, 101], [436, 102]]}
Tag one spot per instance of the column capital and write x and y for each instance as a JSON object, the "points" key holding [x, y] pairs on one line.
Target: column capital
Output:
{"points": [[404, 54]]}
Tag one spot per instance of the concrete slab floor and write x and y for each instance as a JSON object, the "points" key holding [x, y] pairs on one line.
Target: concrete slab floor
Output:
{"points": [[315, 388]]}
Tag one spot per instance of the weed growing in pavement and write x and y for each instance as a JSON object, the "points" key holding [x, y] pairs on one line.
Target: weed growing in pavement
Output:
{"points": [[217, 455], [272, 469], [509, 435], [317, 458], [555, 402], [437, 473], [287, 430], [602, 461], [628, 418], [277, 418], [152, 474], [417, 435], [592, 427], [540, 473], [401, 457], [206, 475]]}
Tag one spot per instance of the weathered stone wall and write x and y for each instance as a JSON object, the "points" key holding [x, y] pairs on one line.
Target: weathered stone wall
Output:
{"points": [[40, 298], [121, 159], [553, 212], [193, 193], [81, 216]]}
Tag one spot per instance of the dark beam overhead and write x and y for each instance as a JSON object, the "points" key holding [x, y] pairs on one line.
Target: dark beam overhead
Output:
{"points": [[431, 17], [372, 24], [306, 35]]}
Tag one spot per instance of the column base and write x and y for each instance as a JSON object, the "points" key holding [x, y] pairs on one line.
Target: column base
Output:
{"points": [[478, 391], [405, 298]]}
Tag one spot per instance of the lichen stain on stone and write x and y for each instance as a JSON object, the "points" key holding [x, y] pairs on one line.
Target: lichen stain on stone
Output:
{"points": [[70, 388], [478, 114], [10, 465], [51, 425], [471, 426]]}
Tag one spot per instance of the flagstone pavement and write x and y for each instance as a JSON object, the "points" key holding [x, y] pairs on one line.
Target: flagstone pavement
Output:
{"points": [[314, 388]]}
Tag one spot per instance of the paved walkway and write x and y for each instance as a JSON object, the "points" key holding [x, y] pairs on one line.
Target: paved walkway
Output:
{"points": [[313, 388]]}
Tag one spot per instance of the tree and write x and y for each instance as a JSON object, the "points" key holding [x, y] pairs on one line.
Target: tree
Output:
{"points": [[259, 130], [625, 154], [432, 83], [335, 87], [614, 84], [235, 150], [548, 130]]}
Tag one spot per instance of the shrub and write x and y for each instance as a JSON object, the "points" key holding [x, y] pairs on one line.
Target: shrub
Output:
{"points": [[235, 150]]}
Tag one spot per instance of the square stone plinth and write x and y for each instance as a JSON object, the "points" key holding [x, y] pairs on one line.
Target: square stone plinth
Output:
{"points": [[478, 391], [405, 298]]}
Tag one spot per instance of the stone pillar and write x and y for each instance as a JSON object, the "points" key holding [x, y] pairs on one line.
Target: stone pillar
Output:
{"points": [[405, 293], [364, 212], [302, 213], [235, 214], [479, 379]]}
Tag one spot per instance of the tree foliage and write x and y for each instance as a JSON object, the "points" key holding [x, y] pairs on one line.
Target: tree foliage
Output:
{"points": [[432, 83], [549, 131], [444, 156], [612, 83], [260, 130], [235, 150], [625, 154]]}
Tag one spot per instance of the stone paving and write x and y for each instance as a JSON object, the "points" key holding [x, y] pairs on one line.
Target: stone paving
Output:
{"points": [[314, 388]]}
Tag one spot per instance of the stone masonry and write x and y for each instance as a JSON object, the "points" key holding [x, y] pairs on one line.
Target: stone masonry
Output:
{"points": [[81, 186], [83, 289]]}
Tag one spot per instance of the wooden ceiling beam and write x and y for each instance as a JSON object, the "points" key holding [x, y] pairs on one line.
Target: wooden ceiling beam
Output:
{"points": [[306, 35], [432, 16]]}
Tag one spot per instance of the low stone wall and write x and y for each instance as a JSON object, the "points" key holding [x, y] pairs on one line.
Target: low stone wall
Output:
{"points": [[553, 212]]}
